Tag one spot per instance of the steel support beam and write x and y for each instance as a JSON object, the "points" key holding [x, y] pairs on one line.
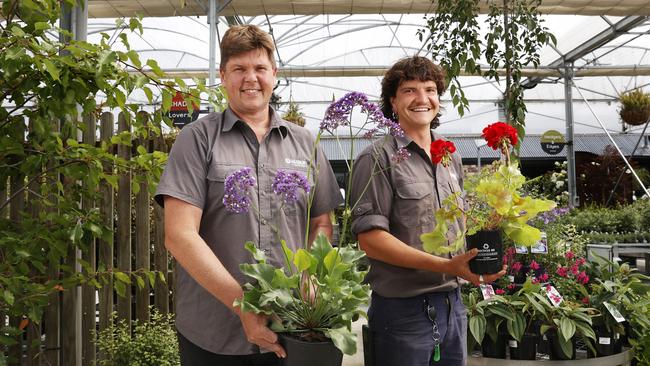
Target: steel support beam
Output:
{"points": [[570, 152]]}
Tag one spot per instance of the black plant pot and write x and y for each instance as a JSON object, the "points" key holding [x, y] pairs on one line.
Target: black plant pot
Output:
{"points": [[301, 353], [607, 343], [524, 350], [555, 349], [490, 251], [494, 349]]}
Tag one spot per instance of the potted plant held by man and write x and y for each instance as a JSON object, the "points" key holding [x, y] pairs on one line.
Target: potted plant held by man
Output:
{"points": [[315, 295], [491, 205]]}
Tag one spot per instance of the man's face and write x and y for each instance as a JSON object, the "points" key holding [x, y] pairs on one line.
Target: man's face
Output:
{"points": [[248, 78], [416, 103]]}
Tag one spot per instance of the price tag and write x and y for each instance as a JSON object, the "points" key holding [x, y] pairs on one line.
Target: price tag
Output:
{"points": [[554, 295], [614, 311], [487, 291]]}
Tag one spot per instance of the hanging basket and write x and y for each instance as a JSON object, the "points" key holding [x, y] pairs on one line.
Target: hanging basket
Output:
{"points": [[635, 117]]}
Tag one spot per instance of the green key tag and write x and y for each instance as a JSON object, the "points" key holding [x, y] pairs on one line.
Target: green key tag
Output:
{"points": [[436, 353]]}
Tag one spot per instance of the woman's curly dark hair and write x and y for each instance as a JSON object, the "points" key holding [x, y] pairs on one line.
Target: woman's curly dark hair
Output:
{"points": [[410, 68]]}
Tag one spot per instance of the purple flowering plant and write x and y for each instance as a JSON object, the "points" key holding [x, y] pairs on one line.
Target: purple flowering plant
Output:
{"points": [[317, 293], [338, 120]]}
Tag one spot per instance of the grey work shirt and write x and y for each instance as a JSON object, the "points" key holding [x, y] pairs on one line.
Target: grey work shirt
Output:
{"points": [[203, 155], [401, 198]]}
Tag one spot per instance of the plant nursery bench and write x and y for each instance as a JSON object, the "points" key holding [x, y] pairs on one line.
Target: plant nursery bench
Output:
{"points": [[620, 359]]}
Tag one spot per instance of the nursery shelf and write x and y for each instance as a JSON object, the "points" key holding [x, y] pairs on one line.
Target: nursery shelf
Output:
{"points": [[624, 358]]}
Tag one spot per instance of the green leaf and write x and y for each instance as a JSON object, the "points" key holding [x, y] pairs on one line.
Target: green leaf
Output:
{"points": [[567, 346], [9, 297], [51, 69], [567, 328], [77, 232], [343, 339], [155, 68], [477, 325], [303, 260], [122, 277], [139, 281]]}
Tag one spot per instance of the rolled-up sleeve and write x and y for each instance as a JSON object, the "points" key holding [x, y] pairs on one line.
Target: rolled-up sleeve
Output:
{"points": [[371, 193]]}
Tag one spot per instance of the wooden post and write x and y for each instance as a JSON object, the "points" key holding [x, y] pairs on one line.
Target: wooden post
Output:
{"points": [[88, 322], [106, 209], [33, 340], [51, 319], [71, 322], [16, 209], [143, 240], [123, 244], [161, 258]]}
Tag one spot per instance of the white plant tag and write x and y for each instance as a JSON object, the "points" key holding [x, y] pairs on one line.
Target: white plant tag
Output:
{"points": [[512, 343], [487, 291], [614, 311], [511, 279], [554, 295], [604, 340]]}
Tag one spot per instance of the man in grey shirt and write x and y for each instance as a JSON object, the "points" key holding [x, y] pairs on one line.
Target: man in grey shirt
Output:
{"points": [[208, 240], [416, 314]]}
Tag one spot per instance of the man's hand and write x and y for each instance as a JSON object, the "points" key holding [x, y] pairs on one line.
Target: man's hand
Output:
{"points": [[258, 333], [459, 266]]}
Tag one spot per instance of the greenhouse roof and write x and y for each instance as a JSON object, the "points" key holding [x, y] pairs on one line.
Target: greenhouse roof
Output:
{"points": [[156, 8]]}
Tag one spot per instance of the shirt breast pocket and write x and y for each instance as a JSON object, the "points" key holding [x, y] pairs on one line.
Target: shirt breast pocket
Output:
{"points": [[216, 177], [290, 209], [413, 204]]}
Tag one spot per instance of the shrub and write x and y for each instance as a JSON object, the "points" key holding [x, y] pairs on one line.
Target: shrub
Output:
{"points": [[153, 343]]}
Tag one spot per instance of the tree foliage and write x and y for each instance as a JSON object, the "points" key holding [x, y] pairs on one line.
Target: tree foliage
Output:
{"points": [[46, 86], [514, 35]]}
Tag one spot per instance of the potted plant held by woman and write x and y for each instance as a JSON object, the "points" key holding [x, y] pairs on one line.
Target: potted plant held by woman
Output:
{"points": [[491, 205], [315, 294]]}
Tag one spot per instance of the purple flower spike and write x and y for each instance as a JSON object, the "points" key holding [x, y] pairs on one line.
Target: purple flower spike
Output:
{"points": [[338, 114], [286, 184], [236, 186]]}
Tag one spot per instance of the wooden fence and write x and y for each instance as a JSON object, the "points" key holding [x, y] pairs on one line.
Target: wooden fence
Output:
{"points": [[66, 333]]}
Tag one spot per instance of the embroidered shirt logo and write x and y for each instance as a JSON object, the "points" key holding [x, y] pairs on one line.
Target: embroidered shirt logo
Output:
{"points": [[296, 163]]}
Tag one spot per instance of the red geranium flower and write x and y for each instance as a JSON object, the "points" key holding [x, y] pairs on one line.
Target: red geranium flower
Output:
{"points": [[441, 151], [499, 135]]}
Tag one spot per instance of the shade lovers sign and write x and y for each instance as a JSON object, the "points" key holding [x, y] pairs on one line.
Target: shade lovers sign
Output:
{"points": [[179, 113]]}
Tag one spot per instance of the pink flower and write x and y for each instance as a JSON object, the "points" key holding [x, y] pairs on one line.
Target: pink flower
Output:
{"points": [[511, 286], [516, 267], [569, 255], [544, 277], [500, 291], [575, 269], [580, 261], [583, 278], [511, 251], [561, 271], [585, 300], [534, 265], [534, 281]]}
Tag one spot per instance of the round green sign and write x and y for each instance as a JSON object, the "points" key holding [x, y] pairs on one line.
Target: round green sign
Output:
{"points": [[552, 142]]}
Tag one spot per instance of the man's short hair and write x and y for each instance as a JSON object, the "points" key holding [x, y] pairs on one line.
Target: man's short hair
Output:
{"points": [[239, 39], [410, 68]]}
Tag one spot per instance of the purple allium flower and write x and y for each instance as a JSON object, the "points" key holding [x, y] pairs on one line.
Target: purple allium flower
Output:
{"points": [[286, 185], [338, 114], [401, 155], [236, 198]]}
